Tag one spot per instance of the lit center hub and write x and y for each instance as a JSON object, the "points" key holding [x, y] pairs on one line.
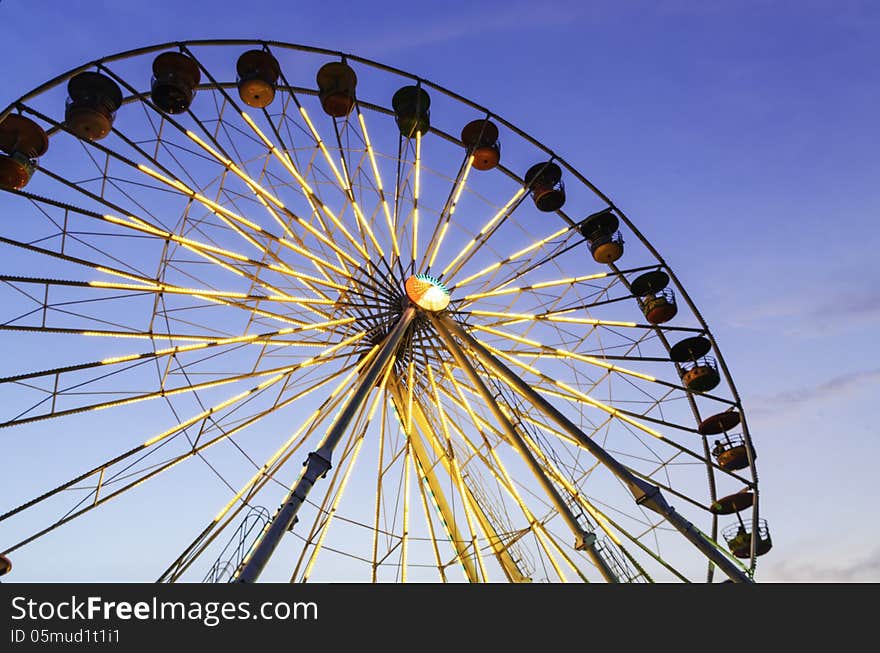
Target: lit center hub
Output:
{"points": [[427, 293]]}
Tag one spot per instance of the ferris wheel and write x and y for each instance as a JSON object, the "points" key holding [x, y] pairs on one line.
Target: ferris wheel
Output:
{"points": [[274, 308]]}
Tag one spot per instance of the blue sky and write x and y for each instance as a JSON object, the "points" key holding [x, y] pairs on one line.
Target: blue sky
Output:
{"points": [[743, 135]]}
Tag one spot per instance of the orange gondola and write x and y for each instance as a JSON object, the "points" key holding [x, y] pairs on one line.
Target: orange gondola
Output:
{"points": [[336, 88], [600, 230], [258, 73], [92, 104], [22, 141], [659, 308], [544, 180], [480, 137], [731, 453]]}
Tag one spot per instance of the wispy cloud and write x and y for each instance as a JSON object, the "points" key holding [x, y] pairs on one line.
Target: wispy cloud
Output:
{"points": [[812, 312], [839, 386], [849, 305], [866, 570], [479, 19]]}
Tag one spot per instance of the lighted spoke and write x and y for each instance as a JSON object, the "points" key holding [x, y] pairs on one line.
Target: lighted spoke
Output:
{"points": [[263, 338], [392, 228], [462, 257], [279, 372], [445, 218], [513, 257], [230, 218]]}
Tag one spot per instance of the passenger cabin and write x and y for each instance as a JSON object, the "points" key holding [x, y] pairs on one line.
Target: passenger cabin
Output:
{"points": [[739, 539], [600, 230], [92, 102], [336, 88], [258, 73], [730, 453], [412, 113], [699, 373], [655, 299], [544, 181], [175, 77], [480, 137], [22, 142]]}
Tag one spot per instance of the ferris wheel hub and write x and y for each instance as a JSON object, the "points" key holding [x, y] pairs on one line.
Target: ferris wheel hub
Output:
{"points": [[427, 292]]}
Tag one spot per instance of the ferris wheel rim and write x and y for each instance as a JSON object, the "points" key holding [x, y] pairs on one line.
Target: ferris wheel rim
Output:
{"points": [[553, 157]]}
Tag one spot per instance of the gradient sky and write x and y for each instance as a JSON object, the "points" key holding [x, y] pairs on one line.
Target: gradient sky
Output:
{"points": [[742, 137]]}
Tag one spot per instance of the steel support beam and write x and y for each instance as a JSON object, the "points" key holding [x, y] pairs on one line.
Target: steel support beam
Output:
{"points": [[319, 461], [583, 539], [644, 493]]}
